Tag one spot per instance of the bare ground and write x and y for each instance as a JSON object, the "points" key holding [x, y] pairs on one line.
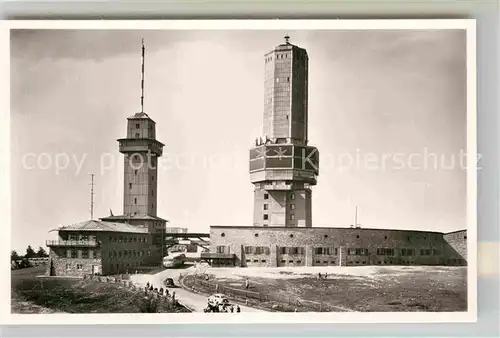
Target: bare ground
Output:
{"points": [[381, 289]]}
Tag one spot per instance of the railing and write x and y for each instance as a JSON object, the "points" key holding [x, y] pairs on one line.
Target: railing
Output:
{"points": [[159, 299], [52, 243], [298, 303]]}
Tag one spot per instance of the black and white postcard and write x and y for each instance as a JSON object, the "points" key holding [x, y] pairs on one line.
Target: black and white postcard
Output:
{"points": [[239, 171]]}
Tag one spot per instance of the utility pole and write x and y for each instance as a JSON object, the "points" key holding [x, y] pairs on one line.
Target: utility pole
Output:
{"points": [[92, 197], [356, 218]]}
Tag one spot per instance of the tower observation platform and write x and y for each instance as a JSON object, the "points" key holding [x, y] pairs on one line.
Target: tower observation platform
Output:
{"points": [[283, 166]]}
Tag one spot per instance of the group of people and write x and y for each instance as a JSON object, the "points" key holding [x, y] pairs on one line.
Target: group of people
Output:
{"points": [[222, 308], [161, 292], [320, 276]]}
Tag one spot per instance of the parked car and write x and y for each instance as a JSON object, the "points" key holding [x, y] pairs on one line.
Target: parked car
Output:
{"points": [[169, 283], [218, 299], [217, 303]]}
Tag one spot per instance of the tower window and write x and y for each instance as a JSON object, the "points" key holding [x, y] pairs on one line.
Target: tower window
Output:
{"points": [[266, 196], [135, 171], [137, 125], [135, 200], [292, 217], [277, 80], [266, 206], [152, 178], [130, 185], [292, 206], [288, 79], [266, 217], [292, 196]]}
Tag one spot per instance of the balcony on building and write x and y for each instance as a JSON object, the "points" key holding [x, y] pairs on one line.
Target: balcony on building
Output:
{"points": [[72, 243]]}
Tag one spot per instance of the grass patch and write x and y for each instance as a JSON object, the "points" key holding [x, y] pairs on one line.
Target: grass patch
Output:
{"points": [[84, 296]]}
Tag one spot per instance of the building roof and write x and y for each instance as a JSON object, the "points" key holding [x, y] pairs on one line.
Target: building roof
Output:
{"points": [[278, 228], [141, 138], [132, 217], [141, 115], [93, 225]]}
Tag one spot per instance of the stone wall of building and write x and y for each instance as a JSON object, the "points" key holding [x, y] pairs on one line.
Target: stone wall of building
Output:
{"points": [[456, 247], [116, 252], [60, 265], [343, 246]]}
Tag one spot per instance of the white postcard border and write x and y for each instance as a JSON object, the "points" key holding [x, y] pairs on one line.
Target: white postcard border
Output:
{"points": [[359, 317]]}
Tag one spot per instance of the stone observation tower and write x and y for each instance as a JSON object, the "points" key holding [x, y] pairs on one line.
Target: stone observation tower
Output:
{"points": [[141, 151], [283, 167]]}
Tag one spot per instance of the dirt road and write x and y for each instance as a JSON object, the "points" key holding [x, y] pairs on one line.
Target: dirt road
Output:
{"points": [[191, 300]]}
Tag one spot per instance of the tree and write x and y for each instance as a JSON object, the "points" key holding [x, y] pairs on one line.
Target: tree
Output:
{"points": [[30, 253], [41, 253], [14, 256]]}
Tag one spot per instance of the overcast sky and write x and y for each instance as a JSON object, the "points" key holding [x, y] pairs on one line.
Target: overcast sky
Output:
{"points": [[374, 96]]}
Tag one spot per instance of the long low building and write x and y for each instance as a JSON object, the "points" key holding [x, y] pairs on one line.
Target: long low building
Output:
{"points": [[317, 246]]}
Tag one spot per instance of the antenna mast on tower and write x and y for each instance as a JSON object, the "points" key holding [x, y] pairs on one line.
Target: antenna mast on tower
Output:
{"points": [[356, 224], [92, 197], [142, 76]]}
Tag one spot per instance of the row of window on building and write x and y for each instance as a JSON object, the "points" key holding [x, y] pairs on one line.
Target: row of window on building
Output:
{"points": [[329, 251], [78, 266], [84, 253], [257, 250], [81, 237], [129, 253], [121, 266], [256, 261], [128, 239]]}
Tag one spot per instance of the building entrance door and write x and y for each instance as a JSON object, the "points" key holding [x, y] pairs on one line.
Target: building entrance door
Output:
{"points": [[95, 269]]}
